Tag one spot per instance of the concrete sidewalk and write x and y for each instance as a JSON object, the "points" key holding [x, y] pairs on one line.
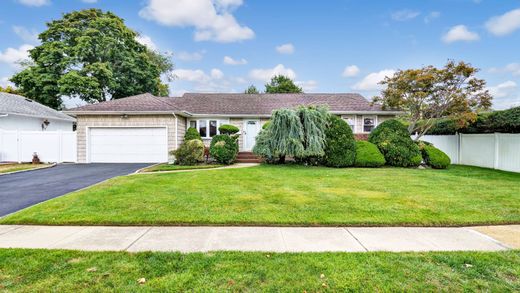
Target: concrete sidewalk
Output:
{"points": [[269, 239]]}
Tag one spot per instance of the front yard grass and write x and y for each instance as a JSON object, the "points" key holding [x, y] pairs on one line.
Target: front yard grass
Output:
{"points": [[7, 168], [170, 167], [291, 195], [73, 271]]}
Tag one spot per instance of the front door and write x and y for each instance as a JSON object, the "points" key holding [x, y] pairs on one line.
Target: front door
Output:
{"points": [[251, 129]]}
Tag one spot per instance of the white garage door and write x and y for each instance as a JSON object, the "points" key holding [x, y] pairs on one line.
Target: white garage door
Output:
{"points": [[128, 145]]}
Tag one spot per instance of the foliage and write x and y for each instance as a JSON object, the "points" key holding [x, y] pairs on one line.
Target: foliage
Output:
{"points": [[266, 124], [91, 55], [314, 123], [434, 157], [192, 133], [393, 140], [251, 90], [286, 134], [190, 152], [505, 121], [223, 149], [430, 93], [282, 84], [368, 155], [228, 129], [340, 145], [10, 90], [262, 146]]}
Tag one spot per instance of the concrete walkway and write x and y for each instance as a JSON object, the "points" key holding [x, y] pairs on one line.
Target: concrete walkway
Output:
{"points": [[268, 239]]}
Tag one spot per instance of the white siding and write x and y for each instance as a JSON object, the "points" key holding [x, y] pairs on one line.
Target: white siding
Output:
{"points": [[18, 122]]}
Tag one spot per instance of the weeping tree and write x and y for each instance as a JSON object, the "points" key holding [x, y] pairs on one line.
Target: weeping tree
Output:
{"points": [[314, 124], [296, 133]]}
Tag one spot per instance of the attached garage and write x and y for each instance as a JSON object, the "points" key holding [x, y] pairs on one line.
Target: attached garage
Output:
{"points": [[127, 145]]}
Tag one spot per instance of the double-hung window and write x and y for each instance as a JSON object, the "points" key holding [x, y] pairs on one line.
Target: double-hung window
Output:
{"points": [[369, 123], [207, 128], [351, 121]]}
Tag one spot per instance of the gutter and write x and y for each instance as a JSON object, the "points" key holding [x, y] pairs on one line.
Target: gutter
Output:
{"points": [[72, 119]]}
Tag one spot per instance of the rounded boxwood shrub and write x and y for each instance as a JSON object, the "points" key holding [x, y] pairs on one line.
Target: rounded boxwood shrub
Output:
{"points": [[393, 140], [223, 149], [192, 133], [435, 158], [340, 145], [368, 155], [190, 152], [228, 129]]}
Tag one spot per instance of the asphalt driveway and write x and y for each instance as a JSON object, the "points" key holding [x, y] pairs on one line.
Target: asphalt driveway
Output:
{"points": [[21, 190]]}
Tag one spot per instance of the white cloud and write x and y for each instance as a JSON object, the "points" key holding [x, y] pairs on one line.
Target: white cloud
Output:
{"points": [[371, 81], [513, 68], [460, 33], [190, 56], [217, 73], [503, 90], [505, 95], [230, 61], [432, 16], [350, 71], [268, 73], [212, 20], [26, 35], [214, 81], [4, 81], [147, 41], [35, 3], [405, 14], [307, 86], [504, 24], [285, 48], [13, 56]]}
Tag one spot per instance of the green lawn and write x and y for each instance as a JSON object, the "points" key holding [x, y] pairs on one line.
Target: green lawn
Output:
{"points": [[7, 168], [73, 271], [170, 167], [291, 195]]}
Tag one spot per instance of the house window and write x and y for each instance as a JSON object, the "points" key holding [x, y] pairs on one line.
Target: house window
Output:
{"points": [[351, 121], [369, 123], [207, 128]]}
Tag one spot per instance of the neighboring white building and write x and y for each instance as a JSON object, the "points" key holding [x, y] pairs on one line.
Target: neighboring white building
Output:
{"points": [[20, 113]]}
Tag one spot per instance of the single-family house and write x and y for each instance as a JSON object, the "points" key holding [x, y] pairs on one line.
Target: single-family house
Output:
{"points": [[20, 113], [144, 128]]}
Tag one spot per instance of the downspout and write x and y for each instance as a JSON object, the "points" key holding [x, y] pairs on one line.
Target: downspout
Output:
{"points": [[176, 130]]}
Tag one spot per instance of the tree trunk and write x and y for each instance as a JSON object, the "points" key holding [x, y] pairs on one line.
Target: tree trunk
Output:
{"points": [[282, 159]]}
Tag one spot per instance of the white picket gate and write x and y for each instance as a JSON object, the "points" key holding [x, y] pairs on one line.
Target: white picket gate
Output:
{"points": [[51, 146], [491, 150]]}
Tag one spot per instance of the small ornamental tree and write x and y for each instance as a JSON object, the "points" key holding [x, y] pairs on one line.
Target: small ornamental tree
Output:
{"points": [[192, 133], [430, 93], [340, 145], [190, 152], [223, 149], [314, 123], [228, 129], [286, 134], [394, 142]]}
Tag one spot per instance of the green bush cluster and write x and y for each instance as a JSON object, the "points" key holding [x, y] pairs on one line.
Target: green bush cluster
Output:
{"points": [[191, 152], [340, 145], [223, 149], [192, 133], [393, 140], [368, 155], [228, 129], [434, 157]]}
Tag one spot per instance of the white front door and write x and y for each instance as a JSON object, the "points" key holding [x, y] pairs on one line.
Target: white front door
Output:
{"points": [[251, 129]]}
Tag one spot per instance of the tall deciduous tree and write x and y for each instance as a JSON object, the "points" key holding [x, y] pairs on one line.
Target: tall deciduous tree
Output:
{"points": [[430, 93], [91, 55], [282, 84], [251, 90]]}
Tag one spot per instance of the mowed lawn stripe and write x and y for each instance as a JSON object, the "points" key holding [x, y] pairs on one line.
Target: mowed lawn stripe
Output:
{"points": [[291, 195]]}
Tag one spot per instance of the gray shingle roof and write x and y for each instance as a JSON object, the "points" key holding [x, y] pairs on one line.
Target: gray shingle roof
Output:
{"points": [[18, 105], [231, 103]]}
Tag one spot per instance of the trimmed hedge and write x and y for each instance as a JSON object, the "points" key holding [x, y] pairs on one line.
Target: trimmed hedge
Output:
{"points": [[368, 155], [192, 133], [190, 152], [223, 149], [435, 158], [393, 140], [340, 145], [228, 129]]}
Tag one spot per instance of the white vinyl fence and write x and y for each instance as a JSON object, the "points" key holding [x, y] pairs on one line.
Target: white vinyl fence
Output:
{"points": [[51, 146], [495, 150]]}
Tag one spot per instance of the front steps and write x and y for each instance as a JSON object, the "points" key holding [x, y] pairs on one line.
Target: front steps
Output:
{"points": [[247, 157]]}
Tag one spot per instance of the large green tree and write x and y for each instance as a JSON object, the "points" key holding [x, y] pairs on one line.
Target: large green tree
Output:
{"points": [[91, 55], [429, 93], [281, 84]]}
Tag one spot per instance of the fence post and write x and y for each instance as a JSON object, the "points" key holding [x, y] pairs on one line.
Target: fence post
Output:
{"points": [[459, 148], [18, 147], [495, 160]]}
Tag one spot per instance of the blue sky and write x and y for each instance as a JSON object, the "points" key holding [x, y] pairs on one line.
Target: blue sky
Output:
{"points": [[326, 46]]}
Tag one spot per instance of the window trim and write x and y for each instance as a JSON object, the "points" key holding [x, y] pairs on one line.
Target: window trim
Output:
{"points": [[363, 122], [197, 125], [354, 117]]}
